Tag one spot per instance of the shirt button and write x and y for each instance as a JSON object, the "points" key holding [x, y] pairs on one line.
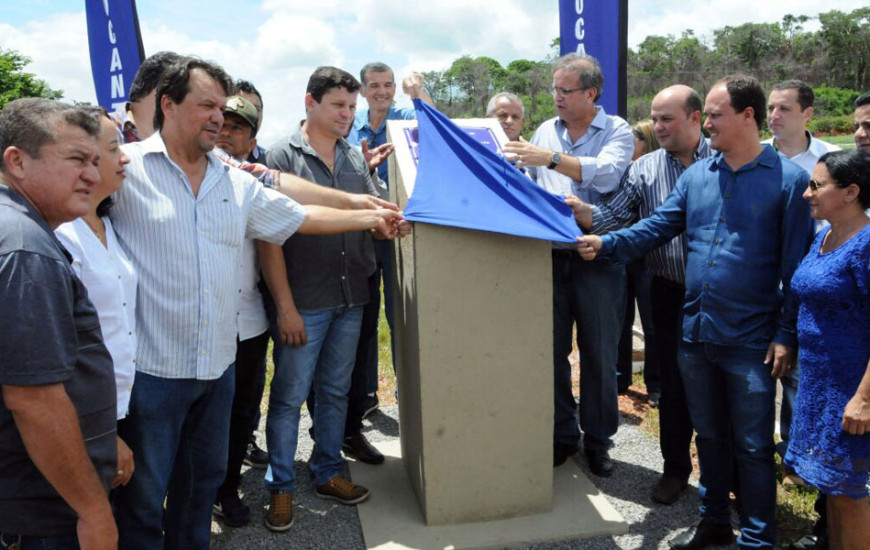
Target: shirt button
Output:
{"points": [[716, 240], [709, 262], [343, 277], [722, 219], [706, 287], [202, 352]]}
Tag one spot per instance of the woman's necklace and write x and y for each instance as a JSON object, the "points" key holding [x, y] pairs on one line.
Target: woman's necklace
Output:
{"points": [[99, 232]]}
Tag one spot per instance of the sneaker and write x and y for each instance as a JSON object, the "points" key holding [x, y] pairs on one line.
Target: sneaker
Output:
{"points": [[256, 457], [371, 405], [279, 518], [232, 510], [343, 490]]}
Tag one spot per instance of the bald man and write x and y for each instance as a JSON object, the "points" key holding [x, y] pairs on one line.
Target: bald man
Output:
{"points": [[676, 116]]}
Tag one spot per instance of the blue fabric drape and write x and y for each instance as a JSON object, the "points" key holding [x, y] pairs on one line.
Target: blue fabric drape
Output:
{"points": [[461, 183]]}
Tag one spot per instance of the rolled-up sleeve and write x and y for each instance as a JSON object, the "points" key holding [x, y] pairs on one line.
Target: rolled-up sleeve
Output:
{"points": [[604, 171]]}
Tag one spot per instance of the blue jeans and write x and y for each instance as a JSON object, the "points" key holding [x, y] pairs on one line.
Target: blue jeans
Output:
{"points": [[592, 294], [326, 361], [178, 430], [731, 401], [789, 382]]}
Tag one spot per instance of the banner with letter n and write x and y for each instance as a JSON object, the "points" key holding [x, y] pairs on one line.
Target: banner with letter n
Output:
{"points": [[116, 49], [599, 28]]}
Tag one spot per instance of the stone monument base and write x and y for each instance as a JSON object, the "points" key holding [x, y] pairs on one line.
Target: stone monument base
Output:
{"points": [[392, 519]]}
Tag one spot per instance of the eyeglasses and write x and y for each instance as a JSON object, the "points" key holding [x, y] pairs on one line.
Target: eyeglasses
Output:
{"points": [[565, 92], [815, 186]]}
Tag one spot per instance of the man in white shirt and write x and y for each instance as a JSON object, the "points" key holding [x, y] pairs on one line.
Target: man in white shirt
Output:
{"points": [[789, 108], [182, 218]]}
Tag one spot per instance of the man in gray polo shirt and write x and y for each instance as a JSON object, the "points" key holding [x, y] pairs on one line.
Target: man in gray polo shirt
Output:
{"points": [[319, 320], [58, 451]]}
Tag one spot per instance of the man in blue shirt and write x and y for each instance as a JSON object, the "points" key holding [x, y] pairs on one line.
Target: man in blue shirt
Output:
{"points": [[676, 116], [747, 229], [369, 131], [583, 152]]}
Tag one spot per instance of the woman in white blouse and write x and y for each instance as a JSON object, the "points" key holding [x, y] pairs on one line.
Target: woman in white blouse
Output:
{"points": [[108, 275]]}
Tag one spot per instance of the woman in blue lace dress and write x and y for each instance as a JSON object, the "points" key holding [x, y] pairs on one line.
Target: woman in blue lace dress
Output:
{"points": [[830, 445]]}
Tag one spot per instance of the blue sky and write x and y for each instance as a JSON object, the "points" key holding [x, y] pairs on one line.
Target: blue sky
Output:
{"points": [[276, 43]]}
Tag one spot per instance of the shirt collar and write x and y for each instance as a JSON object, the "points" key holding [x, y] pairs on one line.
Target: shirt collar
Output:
{"points": [[297, 141], [767, 158], [599, 122], [19, 203], [156, 145]]}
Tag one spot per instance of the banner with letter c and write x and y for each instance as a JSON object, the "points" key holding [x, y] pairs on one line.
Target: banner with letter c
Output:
{"points": [[116, 49], [599, 28]]}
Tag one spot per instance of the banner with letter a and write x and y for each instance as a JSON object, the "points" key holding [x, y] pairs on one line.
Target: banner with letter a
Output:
{"points": [[599, 28], [116, 49]]}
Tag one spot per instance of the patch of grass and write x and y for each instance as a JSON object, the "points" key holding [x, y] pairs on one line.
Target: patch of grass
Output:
{"points": [[846, 141]]}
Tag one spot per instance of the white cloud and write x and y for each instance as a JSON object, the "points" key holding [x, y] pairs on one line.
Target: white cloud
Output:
{"points": [[58, 48]]}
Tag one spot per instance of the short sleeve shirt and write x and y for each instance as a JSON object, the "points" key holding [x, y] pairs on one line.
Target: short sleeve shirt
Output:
{"points": [[49, 334], [327, 271]]}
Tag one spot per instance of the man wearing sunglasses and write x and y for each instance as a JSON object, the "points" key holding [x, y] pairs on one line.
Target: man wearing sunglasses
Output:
{"points": [[584, 152]]}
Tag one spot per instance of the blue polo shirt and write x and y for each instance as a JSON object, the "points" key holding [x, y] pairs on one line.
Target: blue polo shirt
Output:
{"points": [[361, 130], [747, 231], [49, 334]]}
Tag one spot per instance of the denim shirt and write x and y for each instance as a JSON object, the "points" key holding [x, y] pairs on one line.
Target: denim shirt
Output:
{"points": [[361, 130], [747, 231]]}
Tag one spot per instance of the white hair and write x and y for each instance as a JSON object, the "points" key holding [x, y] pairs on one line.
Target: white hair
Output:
{"points": [[490, 107]]}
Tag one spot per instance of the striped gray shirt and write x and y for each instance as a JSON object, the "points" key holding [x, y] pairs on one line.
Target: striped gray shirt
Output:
{"points": [[644, 187], [187, 252]]}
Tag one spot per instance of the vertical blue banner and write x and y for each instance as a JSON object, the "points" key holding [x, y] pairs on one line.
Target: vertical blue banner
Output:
{"points": [[599, 28], [116, 49]]}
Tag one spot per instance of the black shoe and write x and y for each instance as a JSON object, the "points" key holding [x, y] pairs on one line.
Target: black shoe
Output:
{"points": [[371, 405], [811, 541], [256, 457], [599, 462], [653, 399], [702, 536], [668, 490], [561, 452], [232, 510], [359, 447]]}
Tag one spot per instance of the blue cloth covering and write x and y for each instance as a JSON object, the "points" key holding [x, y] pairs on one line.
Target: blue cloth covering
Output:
{"points": [[461, 183]]}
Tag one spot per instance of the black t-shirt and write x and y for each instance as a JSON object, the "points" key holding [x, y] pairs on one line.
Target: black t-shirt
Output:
{"points": [[49, 334]]}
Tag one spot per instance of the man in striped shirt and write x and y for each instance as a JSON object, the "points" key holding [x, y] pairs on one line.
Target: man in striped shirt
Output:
{"points": [[676, 115], [182, 218]]}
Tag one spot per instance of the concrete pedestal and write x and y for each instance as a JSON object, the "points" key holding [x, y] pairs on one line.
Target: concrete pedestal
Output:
{"points": [[474, 358]]}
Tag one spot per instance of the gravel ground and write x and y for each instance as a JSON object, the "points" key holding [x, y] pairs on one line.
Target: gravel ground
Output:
{"points": [[322, 524]]}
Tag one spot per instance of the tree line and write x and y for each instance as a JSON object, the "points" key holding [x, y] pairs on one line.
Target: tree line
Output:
{"points": [[834, 60]]}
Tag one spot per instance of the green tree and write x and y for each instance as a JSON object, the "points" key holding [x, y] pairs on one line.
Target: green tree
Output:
{"points": [[15, 83]]}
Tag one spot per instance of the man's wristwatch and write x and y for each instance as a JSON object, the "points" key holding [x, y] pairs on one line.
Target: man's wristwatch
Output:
{"points": [[555, 160]]}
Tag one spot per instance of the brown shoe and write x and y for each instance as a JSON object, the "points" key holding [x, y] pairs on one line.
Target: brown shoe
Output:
{"points": [[343, 490], [280, 515]]}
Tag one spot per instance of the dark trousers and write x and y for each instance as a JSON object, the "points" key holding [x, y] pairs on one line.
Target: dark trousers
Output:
{"points": [[675, 429], [637, 288], [250, 380], [590, 294], [364, 379]]}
